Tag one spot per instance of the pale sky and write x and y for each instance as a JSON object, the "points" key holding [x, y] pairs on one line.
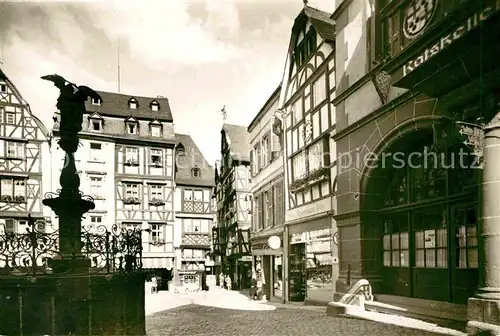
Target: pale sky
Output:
{"points": [[200, 54]]}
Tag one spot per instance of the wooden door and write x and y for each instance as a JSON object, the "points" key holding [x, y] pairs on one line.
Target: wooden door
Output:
{"points": [[297, 272], [464, 244], [431, 277]]}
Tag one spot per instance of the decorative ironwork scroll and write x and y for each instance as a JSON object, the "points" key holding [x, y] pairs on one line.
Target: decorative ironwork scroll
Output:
{"points": [[110, 251]]}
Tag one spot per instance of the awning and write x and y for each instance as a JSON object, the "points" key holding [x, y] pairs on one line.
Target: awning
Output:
{"points": [[160, 262], [324, 259]]}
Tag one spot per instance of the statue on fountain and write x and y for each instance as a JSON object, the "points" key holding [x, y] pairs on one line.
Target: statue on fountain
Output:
{"points": [[68, 203], [71, 104]]}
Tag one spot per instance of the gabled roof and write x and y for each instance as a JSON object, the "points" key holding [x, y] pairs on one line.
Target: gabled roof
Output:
{"points": [[264, 108], [95, 115], [193, 157], [116, 104], [238, 140], [321, 22], [16, 92]]}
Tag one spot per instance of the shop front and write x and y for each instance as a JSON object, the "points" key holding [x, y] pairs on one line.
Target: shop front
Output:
{"points": [[268, 265], [311, 254]]}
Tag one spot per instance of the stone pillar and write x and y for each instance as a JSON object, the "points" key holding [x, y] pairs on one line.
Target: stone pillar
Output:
{"points": [[285, 263], [484, 308]]}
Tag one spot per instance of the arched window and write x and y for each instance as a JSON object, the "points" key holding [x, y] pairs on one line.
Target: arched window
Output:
{"points": [[180, 150]]}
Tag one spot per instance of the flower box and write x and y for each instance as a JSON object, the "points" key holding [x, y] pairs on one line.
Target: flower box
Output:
{"points": [[134, 163], [131, 200], [156, 202]]}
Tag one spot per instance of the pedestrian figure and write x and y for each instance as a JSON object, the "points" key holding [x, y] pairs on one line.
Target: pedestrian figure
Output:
{"points": [[221, 280], [154, 285], [228, 282], [253, 287]]}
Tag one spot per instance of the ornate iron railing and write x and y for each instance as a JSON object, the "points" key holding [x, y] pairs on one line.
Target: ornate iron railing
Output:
{"points": [[109, 251]]}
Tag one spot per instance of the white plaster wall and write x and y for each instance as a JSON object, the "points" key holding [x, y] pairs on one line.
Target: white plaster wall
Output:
{"points": [[105, 207]]}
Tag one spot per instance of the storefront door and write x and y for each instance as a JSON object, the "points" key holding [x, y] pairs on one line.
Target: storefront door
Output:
{"points": [[429, 241], [297, 272]]}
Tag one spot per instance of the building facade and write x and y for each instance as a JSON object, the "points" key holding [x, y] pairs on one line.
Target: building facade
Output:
{"points": [[267, 193], [194, 180], [308, 121], [126, 163], [25, 147], [231, 237], [418, 78]]}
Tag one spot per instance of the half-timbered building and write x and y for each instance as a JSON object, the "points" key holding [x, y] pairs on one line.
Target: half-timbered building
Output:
{"points": [[232, 235], [24, 149], [308, 120], [267, 192], [126, 164], [194, 180]]}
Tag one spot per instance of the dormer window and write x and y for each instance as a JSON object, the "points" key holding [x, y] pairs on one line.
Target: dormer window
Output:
{"points": [[96, 101], [131, 126], [95, 122], [155, 130], [3, 88], [132, 103], [155, 106], [180, 150], [96, 125], [196, 171]]}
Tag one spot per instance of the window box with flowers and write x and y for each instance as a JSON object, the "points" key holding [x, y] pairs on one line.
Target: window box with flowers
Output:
{"points": [[131, 200], [157, 242], [13, 199], [156, 202], [314, 177], [132, 163]]}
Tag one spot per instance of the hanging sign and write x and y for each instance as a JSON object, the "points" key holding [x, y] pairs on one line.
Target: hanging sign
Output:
{"points": [[474, 139], [274, 242]]}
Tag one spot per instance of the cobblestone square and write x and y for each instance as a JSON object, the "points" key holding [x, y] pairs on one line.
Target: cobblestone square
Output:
{"points": [[197, 320]]}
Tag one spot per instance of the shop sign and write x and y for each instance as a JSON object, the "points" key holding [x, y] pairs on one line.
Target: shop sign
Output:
{"points": [[309, 209], [298, 238], [445, 41], [418, 14], [246, 258], [430, 238], [274, 242], [474, 137]]}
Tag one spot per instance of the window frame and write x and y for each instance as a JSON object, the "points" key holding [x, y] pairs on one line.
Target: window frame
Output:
{"points": [[96, 189], [129, 153], [18, 192], [95, 153], [19, 150], [158, 153], [10, 114]]}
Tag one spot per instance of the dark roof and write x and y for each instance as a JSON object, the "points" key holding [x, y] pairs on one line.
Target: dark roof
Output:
{"points": [[193, 157], [321, 22], [264, 107], [116, 104], [238, 140]]}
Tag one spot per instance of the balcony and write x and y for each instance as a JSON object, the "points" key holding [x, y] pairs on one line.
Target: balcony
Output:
{"points": [[196, 240], [439, 43]]}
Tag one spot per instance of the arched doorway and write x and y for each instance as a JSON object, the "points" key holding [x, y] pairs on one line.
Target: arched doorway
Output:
{"points": [[422, 204]]}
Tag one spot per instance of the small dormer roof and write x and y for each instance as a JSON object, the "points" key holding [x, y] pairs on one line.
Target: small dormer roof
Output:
{"points": [[95, 115], [131, 119]]}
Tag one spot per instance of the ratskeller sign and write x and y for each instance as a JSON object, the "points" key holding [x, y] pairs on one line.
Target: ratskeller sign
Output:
{"points": [[445, 41]]}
